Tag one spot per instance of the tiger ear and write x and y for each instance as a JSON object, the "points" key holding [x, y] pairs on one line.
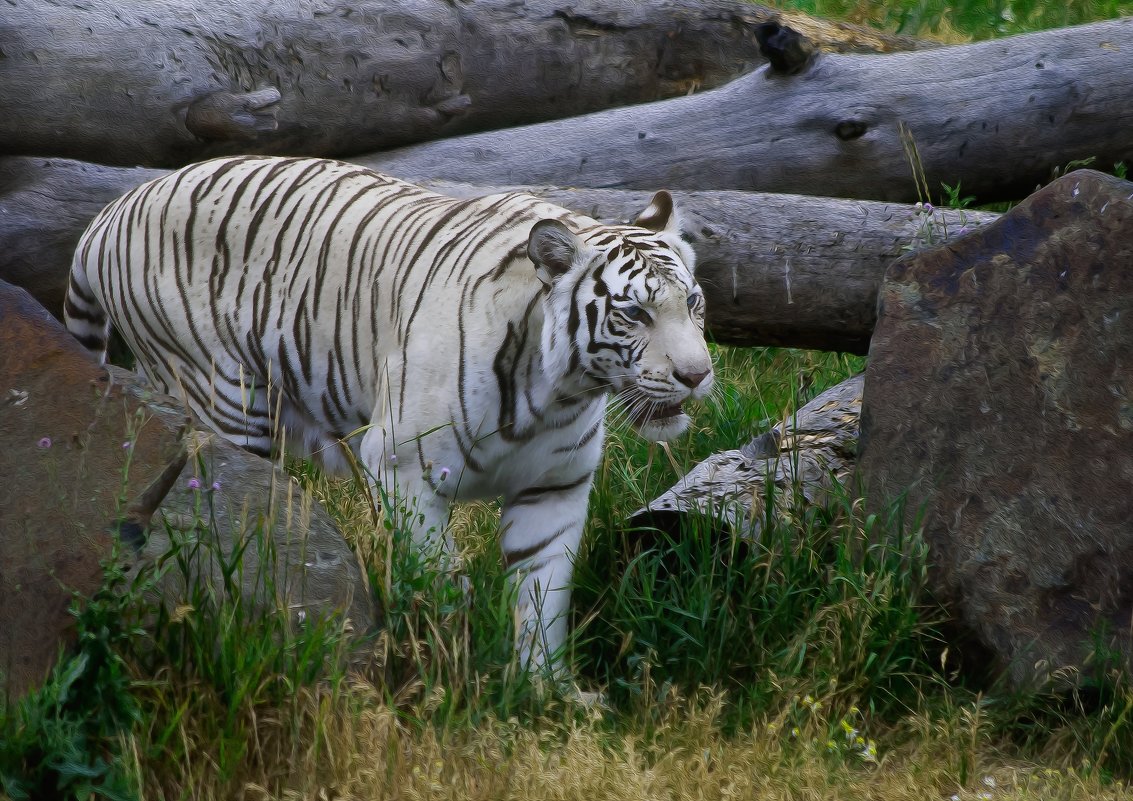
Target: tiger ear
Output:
{"points": [[660, 215], [552, 247]]}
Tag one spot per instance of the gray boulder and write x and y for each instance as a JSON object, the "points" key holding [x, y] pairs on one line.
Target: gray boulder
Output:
{"points": [[999, 397], [87, 452]]}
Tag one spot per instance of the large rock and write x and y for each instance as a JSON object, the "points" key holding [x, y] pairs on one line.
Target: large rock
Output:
{"points": [[999, 395], [85, 451], [63, 469]]}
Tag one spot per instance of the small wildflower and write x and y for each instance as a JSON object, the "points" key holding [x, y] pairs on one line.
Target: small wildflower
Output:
{"points": [[831, 745], [444, 474], [216, 486], [795, 731], [985, 796], [928, 208], [392, 458], [989, 781], [127, 445], [954, 797], [194, 483], [44, 442]]}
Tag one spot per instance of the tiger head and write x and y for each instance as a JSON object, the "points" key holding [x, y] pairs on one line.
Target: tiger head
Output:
{"points": [[631, 311]]}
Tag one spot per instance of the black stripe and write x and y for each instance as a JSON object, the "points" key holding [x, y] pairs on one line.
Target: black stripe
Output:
{"points": [[589, 435], [91, 342], [75, 312], [534, 494], [512, 558]]}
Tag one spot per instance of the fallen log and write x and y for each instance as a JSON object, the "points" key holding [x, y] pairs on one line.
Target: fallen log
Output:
{"points": [[776, 269], [798, 463], [45, 205], [166, 82], [995, 117]]}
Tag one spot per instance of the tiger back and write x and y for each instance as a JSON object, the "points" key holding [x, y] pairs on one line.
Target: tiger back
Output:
{"points": [[461, 348]]}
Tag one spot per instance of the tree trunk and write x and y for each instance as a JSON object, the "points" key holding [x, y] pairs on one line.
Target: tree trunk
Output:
{"points": [[995, 117], [776, 269], [170, 81]]}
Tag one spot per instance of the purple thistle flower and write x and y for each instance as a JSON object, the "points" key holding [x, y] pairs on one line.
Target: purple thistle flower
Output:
{"points": [[44, 442], [444, 473], [216, 486], [194, 483], [928, 208]]}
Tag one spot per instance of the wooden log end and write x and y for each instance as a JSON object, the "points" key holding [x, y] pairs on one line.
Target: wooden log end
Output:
{"points": [[232, 116]]}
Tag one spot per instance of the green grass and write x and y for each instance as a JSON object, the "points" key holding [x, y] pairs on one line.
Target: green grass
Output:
{"points": [[962, 19], [809, 662]]}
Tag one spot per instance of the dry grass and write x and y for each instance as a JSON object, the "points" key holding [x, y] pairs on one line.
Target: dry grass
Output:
{"points": [[355, 746]]}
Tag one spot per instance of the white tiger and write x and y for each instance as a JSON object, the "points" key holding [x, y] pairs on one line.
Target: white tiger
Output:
{"points": [[477, 341]]}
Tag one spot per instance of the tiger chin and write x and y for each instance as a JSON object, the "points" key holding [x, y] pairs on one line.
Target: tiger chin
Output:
{"points": [[459, 349]]}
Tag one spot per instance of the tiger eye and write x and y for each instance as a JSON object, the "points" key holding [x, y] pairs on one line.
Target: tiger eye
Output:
{"points": [[637, 314]]}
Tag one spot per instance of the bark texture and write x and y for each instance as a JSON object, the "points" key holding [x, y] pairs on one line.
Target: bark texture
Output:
{"points": [[776, 269], [996, 117], [166, 82]]}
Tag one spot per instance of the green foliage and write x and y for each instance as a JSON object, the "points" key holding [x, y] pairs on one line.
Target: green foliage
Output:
{"points": [[62, 740], [819, 603], [977, 19], [953, 199], [223, 650]]}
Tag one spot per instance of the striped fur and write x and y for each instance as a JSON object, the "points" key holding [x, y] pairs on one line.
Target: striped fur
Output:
{"points": [[474, 343]]}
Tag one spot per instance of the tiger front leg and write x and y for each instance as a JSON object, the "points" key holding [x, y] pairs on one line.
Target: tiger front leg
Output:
{"points": [[541, 531]]}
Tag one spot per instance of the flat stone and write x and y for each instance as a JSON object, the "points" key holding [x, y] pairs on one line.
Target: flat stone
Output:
{"points": [[85, 448]]}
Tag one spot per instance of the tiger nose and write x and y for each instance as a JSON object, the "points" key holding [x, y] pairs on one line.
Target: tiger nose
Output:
{"points": [[691, 380]]}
